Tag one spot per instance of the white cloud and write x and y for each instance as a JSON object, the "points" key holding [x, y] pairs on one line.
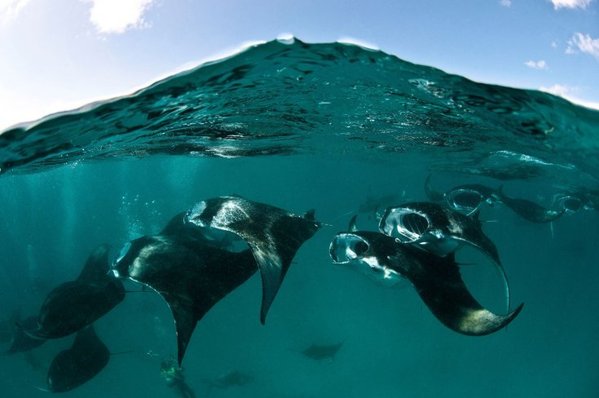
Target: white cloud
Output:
{"points": [[569, 93], [541, 64], [117, 16], [506, 3], [559, 89], [9, 9], [583, 43], [557, 4]]}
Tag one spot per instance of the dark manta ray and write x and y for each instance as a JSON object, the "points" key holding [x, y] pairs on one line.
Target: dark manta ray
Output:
{"points": [[439, 230], [78, 364], [466, 199], [273, 234], [190, 274], [529, 210], [436, 228], [436, 279], [74, 305]]}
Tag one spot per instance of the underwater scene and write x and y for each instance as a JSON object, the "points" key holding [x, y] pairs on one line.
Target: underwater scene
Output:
{"points": [[303, 220]]}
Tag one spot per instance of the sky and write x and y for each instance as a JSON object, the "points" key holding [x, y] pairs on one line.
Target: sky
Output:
{"points": [[60, 54]]}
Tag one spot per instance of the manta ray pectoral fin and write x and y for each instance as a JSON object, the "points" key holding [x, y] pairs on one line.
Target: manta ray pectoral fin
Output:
{"points": [[274, 254], [445, 294], [488, 248], [186, 320], [272, 272]]}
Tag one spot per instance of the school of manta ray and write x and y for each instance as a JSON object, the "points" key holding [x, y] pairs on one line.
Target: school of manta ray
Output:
{"points": [[206, 252]]}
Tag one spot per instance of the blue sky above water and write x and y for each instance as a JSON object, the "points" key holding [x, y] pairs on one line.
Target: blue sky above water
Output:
{"points": [[60, 54]]}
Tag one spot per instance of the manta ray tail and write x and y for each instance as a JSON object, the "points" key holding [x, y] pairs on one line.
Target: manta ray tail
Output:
{"points": [[445, 294]]}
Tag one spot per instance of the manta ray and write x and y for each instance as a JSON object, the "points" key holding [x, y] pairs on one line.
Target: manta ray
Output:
{"points": [[192, 269], [76, 304], [529, 210], [273, 234], [436, 279], [466, 199], [439, 230], [78, 364]]}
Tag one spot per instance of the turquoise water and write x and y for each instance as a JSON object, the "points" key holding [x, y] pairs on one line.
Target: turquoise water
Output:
{"points": [[339, 129]]}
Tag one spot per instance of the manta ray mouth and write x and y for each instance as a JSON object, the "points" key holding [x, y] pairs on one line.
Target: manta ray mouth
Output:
{"points": [[405, 224], [347, 247], [570, 204], [465, 201]]}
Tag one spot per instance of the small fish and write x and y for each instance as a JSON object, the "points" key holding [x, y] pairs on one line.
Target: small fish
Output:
{"points": [[320, 352], [234, 378]]}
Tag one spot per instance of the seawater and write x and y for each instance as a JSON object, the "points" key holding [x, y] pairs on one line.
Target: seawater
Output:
{"points": [[335, 128]]}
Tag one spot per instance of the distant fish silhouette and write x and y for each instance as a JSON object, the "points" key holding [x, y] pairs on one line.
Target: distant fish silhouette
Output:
{"points": [[234, 378], [529, 210], [78, 364], [320, 352], [190, 274], [436, 279], [74, 305], [273, 234]]}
